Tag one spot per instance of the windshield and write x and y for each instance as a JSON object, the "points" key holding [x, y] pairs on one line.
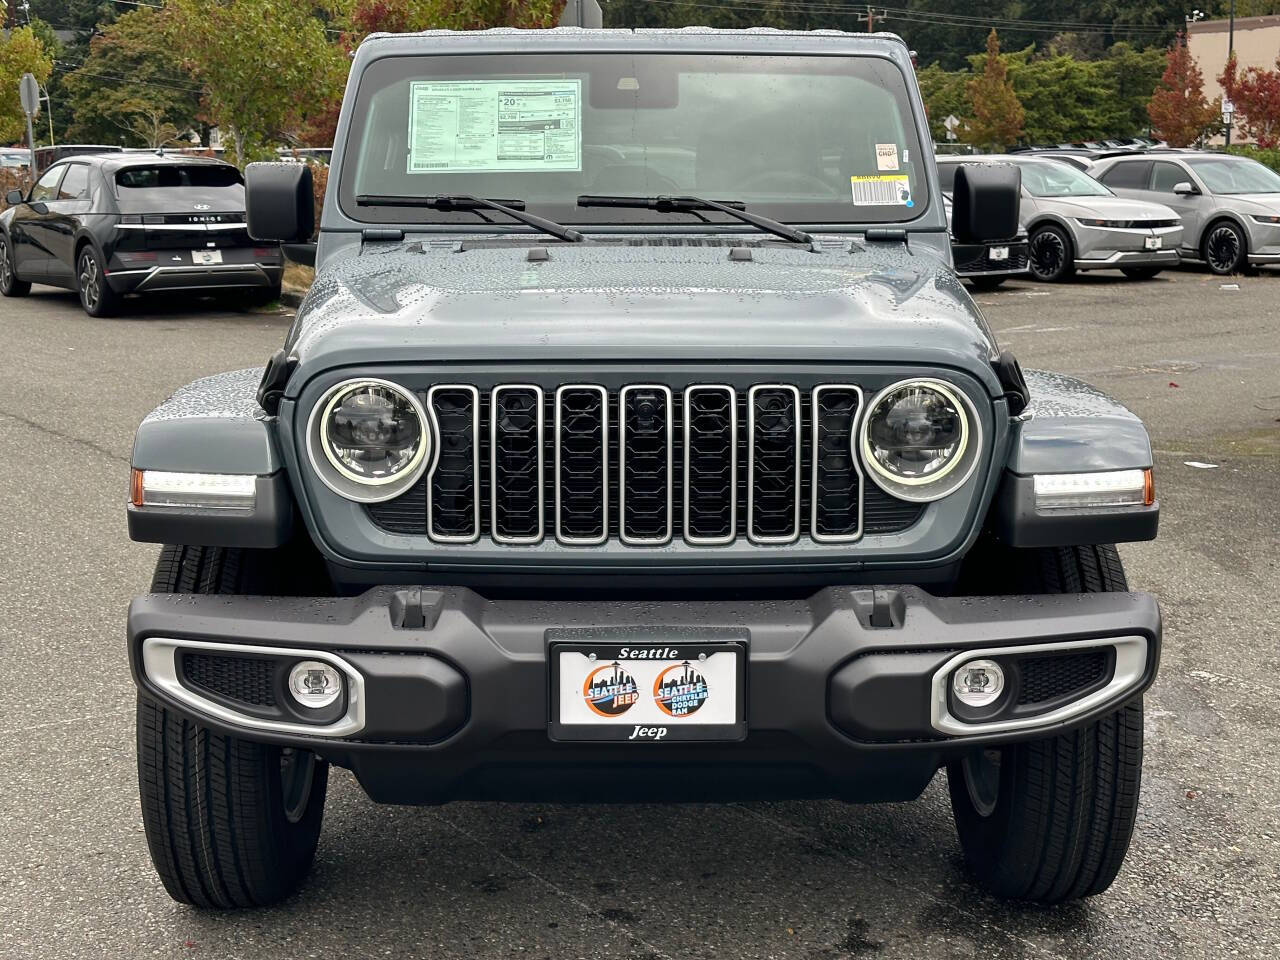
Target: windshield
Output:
{"points": [[1049, 178], [798, 139], [1235, 175]]}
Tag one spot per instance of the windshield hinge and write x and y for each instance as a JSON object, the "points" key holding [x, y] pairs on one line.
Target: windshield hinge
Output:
{"points": [[886, 235], [382, 235], [274, 378]]}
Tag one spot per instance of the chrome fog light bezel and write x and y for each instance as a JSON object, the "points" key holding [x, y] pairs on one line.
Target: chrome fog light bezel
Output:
{"points": [[342, 481], [947, 480]]}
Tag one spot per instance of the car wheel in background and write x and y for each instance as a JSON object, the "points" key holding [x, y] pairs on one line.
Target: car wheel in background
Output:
{"points": [[229, 822], [1051, 254], [1050, 820], [1140, 273], [1223, 248], [986, 283], [10, 285], [97, 298], [263, 296]]}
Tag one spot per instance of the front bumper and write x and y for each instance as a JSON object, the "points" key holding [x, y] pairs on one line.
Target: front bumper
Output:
{"points": [[1131, 258], [448, 692], [1104, 248], [976, 260]]}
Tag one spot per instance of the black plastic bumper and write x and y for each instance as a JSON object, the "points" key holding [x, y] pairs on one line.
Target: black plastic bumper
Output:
{"points": [[456, 687]]}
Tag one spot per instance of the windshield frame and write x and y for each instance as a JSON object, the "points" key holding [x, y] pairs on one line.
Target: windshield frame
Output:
{"points": [[397, 67], [1194, 164]]}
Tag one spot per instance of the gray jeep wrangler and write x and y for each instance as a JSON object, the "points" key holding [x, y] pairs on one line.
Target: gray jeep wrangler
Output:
{"points": [[637, 442]]}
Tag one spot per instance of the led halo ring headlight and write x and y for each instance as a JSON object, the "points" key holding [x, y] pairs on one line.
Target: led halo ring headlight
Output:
{"points": [[919, 439], [368, 439]]}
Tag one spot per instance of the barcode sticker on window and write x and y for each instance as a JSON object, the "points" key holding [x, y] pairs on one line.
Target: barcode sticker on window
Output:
{"points": [[882, 190]]}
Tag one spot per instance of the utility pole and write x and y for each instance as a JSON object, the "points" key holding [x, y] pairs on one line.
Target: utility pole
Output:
{"points": [[1231, 47], [872, 17]]}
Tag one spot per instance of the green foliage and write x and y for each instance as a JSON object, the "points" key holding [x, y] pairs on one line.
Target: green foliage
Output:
{"points": [[363, 17], [944, 95], [20, 52], [265, 65], [131, 88], [1179, 112]]}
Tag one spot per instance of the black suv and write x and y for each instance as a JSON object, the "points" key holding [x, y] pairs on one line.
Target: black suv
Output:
{"points": [[117, 224], [638, 441]]}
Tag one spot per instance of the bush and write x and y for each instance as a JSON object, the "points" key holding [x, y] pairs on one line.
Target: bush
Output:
{"points": [[12, 178], [1269, 156]]}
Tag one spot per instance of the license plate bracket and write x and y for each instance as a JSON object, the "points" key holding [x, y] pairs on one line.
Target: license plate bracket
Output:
{"points": [[999, 253], [206, 256], [647, 691], [1154, 243]]}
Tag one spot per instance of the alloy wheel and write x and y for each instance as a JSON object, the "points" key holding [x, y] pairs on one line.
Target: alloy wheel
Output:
{"points": [[89, 293], [1222, 248], [6, 268], [1048, 255]]}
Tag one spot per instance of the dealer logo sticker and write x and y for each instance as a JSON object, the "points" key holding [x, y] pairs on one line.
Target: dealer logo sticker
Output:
{"points": [[610, 691], [680, 690]]}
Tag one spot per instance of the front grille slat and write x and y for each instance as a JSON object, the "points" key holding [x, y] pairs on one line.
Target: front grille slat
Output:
{"points": [[646, 444], [710, 464], [773, 463], [582, 464], [643, 463], [516, 463]]}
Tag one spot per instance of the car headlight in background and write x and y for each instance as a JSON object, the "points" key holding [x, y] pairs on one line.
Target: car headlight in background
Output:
{"points": [[1113, 224], [920, 439], [369, 440], [1263, 218]]}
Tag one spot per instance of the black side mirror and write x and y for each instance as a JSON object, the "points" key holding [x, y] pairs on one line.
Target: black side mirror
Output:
{"points": [[985, 202], [14, 197], [278, 202]]}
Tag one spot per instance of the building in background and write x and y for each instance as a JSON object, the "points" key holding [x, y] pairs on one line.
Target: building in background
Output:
{"points": [[1256, 43]]}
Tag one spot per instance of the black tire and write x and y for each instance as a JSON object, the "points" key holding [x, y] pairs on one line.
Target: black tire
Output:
{"points": [[1224, 248], [1050, 820], [263, 296], [1140, 273], [1051, 254], [96, 296], [986, 283], [10, 285], [229, 822]]}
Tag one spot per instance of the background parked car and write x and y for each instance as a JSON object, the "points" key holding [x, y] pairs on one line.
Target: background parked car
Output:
{"points": [[47, 155], [1230, 206], [1073, 222], [107, 226]]}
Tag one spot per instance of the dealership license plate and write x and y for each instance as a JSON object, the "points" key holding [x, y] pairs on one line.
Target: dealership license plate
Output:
{"points": [[999, 253], [206, 256], [648, 692], [1154, 243]]}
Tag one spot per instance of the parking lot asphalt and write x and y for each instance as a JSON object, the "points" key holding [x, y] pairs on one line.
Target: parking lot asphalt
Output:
{"points": [[1199, 361]]}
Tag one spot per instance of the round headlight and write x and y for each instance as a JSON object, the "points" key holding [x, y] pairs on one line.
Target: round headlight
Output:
{"points": [[915, 435], [374, 437]]}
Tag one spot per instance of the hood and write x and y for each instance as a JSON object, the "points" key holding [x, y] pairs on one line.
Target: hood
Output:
{"points": [[1263, 204], [640, 299], [1107, 208]]}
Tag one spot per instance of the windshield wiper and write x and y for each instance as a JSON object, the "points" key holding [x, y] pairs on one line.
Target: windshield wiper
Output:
{"points": [[691, 204], [464, 201]]}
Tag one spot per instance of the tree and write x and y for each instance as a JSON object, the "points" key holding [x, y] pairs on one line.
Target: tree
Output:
{"points": [[132, 89], [397, 16], [944, 95], [265, 66], [1256, 95], [1180, 114], [20, 52], [997, 114]]}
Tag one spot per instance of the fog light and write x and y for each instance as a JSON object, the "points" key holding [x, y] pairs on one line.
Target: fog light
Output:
{"points": [[978, 683], [314, 684]]}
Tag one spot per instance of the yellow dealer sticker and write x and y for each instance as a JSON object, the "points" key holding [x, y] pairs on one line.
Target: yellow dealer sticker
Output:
{"points": [[886, 189]]}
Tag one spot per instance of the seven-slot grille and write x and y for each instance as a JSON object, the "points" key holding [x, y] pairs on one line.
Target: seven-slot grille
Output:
{"points": [[645, 464]]}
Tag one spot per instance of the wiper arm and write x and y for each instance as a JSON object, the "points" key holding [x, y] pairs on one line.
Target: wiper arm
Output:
{"points": [[464, 201], [690, 204]]}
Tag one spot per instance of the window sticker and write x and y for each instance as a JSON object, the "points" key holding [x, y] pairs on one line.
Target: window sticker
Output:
{"points": [[495, 125], [887, 189], [886, 156]]}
